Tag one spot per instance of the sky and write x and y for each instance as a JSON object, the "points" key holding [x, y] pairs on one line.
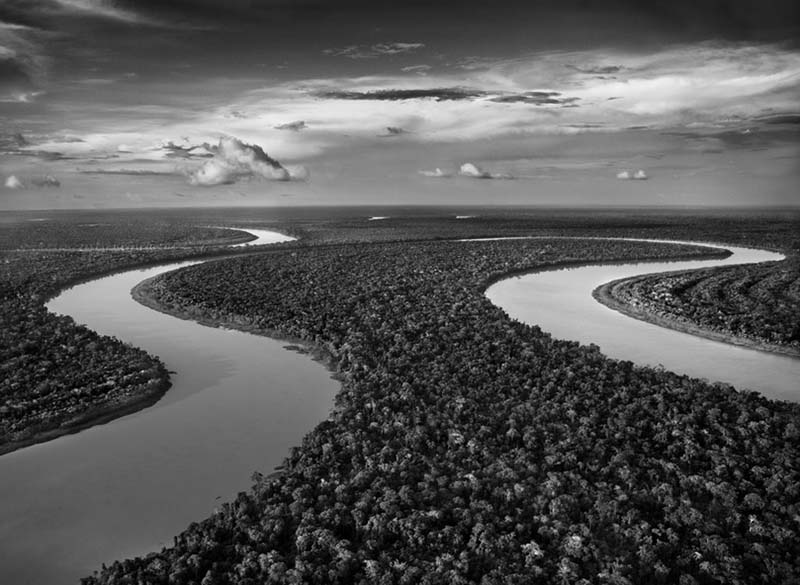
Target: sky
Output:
{"points": [[134, 103]]}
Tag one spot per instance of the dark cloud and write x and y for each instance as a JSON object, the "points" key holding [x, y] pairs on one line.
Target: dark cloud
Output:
{"points": [[439, 94], [293, 126], [598, 69], [14, 76], [394, 131], [730, 19], [13, 141], [19, 145], [536, 98], [792, 119], [204, 150]]}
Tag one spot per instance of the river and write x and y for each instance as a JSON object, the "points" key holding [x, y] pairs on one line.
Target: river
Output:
{"points": [[561, 303], [237, 404]]}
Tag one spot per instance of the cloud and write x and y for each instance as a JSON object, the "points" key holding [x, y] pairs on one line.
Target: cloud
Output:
{"points": [[597, 69], [188, 151], [473, 171], [418, 69], [12, 182], [234, 160], [437, 173], [394, 131], [666, 89], [536, 98], [439, 94], [372, 51], [293, 126], [639, 175], [46, 181]]}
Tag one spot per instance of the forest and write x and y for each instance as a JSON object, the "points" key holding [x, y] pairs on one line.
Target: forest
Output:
{"points": [[469, 448], [753, 303], [465, 447]]}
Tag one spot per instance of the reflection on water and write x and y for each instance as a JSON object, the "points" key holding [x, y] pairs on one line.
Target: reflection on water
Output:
{"points": [[238, 403], [561, 303]]}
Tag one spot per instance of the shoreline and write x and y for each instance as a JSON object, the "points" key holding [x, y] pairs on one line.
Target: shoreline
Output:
{"points": [[98, 416], [143, 294], [604, 294]]}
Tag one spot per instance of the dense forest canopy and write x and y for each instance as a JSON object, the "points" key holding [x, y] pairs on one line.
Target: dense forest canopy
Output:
{"points": [[469, 448], [465, 447]]}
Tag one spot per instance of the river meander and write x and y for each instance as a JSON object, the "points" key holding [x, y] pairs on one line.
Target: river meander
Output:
{"points": [[237, 404], [561, 303]]}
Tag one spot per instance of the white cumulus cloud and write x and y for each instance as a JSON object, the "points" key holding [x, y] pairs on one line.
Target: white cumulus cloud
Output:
{"points": [[12, 182], [473, 171], [639, 175], [234, 160]]}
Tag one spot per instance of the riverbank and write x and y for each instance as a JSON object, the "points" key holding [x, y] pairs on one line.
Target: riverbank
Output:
{"points": [[607, 295], [96, 416], [145, 294]]}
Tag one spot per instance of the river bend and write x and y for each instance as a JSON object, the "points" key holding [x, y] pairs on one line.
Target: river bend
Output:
{"points": [[237, 404], [561, 303]]}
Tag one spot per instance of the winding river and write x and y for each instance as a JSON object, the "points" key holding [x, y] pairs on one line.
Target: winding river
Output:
{"points": [[560, 302], [239, 402]]}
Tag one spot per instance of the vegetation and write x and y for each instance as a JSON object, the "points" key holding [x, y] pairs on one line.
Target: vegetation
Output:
{"points": [[91, 230], [758, 303], [469, 448]]}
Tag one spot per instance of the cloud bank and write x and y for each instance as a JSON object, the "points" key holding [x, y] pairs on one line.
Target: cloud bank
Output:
{"points": [[440, 94], [372, 51]]}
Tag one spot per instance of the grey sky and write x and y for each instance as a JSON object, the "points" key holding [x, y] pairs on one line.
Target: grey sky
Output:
{"points": [[564, 97]]}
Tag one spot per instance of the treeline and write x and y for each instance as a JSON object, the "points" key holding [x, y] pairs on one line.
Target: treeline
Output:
{"points": [[776, 230], [120, 230], [469, 448], [758, 302]]}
